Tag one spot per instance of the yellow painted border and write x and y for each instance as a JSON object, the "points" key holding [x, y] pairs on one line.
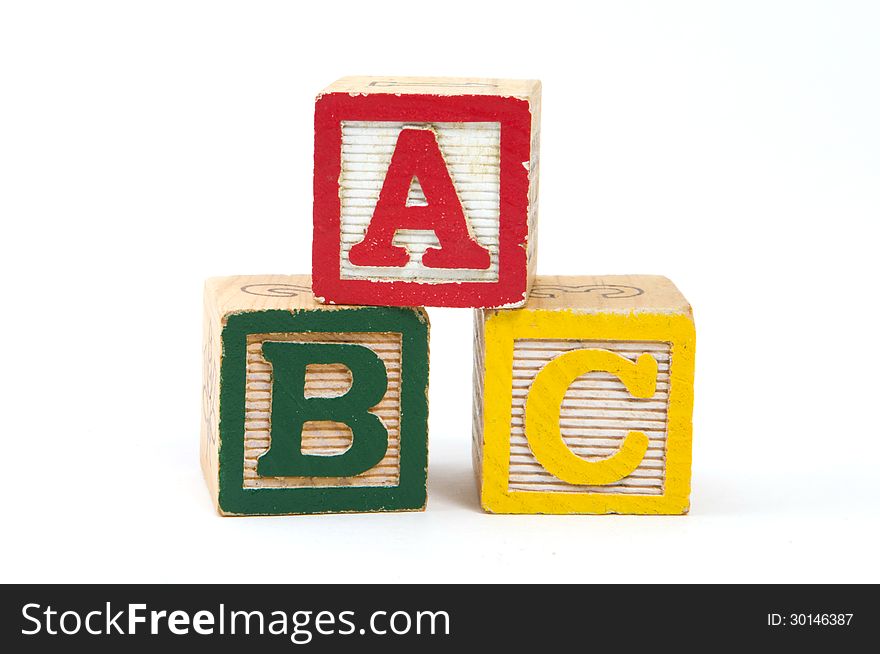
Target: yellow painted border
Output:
{"points": [[502, 327]]}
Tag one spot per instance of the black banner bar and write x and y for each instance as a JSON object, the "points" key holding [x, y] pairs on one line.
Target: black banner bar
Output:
{"points": [[433, 618]]}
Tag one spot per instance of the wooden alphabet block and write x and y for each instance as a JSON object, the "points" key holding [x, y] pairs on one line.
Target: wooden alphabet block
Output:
{"points": [[309, 408], [426, 191], [583, 398]]}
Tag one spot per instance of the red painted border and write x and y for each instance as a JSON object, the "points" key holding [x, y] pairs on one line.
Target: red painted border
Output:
{"points": [[515, 119]]}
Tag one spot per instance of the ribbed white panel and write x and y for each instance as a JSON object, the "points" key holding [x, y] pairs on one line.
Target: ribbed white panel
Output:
{"points": [[472, 152], [597, 412], [477, 424], [321, 437]]}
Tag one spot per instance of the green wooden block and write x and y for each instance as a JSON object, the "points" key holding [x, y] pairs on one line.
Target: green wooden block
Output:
{"points": [[311, 408]]}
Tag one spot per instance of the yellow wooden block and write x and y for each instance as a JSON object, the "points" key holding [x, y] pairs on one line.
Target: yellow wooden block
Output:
{"points": [[583, 398]]}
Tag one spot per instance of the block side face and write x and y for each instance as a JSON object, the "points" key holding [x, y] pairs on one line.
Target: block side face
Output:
{"points": [[397, 338], [486, 147], [607, 293], [440, 86], [597, 410], [479, 367], [534, 169], [209, 450]]}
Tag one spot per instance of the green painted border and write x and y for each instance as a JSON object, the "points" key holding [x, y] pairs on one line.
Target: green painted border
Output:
{"points": [[409, 495]]}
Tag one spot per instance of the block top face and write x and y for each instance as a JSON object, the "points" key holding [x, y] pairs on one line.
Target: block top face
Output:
{"points": [[260, 293], [243, 293], [607, 294], [515, 88]]}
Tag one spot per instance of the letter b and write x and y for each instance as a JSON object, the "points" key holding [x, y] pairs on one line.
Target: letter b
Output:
{"points": [[291, 409]]}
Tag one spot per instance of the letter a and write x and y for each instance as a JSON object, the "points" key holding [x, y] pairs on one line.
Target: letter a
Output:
{"points": [[417, 155]]}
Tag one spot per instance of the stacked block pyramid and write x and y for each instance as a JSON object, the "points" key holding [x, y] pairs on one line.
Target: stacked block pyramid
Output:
{"points": [[315, 395]]}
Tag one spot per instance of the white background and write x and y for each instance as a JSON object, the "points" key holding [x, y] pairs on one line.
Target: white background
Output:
{"points": [[145, 146]]}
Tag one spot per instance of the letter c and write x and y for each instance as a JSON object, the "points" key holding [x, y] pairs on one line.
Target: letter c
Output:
{"points": [[544, 403]]}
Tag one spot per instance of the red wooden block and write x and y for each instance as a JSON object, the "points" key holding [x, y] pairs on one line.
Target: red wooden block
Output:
{"points": [[426, 191]]}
